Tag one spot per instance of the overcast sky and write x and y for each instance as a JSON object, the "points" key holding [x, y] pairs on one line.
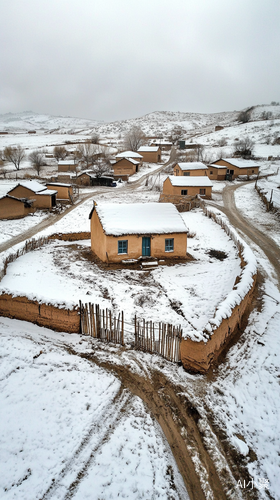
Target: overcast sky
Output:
{"points": [[115, 59]]}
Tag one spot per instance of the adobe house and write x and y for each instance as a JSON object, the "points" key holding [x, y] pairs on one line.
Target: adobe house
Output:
{"points": [[64, 191], [33, 190], [66, 166], [14, 208], [188, 186], [162, 144], [84, 178], [151, 154], [126, 167], [137, 230], [190, 168], [234, 167], [129, 154]]}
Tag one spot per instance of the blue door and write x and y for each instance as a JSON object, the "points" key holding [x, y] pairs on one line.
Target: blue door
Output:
{"points": [[146, 246]]}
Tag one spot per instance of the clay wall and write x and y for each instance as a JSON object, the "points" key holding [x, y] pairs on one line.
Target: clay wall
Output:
{"points": [[60, 320], [70, 236], [198, 356]]}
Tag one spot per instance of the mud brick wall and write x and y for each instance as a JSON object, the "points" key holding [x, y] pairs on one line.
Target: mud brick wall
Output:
{"points": [[198, 356], [71, 236], [60, 320]]}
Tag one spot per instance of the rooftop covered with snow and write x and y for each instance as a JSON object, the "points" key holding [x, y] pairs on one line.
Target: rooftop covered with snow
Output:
{"points": [[195, 165], [129, 154], [192, 180], [140, 218], [241, 163]]}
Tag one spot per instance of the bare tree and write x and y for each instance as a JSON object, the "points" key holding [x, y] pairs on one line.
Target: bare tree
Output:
{"points": [[244, 147], [134, 138], [95, 137], [176, 134], [15, 155], [37, 160], [86, 153], [60, 152]]}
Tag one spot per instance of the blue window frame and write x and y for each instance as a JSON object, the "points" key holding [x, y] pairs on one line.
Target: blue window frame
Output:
{"points": [[122, 246], [169, 245]]}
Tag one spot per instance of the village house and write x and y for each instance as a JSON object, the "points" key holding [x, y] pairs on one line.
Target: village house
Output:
{"points": [[32, 190], [14, 208], [64, 191], [84, 178], [190, 168], [129, 154], [177, 186], [162, 144], [66, 165], [151, 154], [126, 167], [230, 168], [121, 232]]}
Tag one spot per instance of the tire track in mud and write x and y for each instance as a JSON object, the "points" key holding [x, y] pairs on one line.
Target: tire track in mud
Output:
{"points": [[64, 487], [179, 421]]}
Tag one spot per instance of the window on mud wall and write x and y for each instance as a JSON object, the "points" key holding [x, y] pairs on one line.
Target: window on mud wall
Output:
{"points": [[202, 191], [187, 173], [184, 192], [169, 245], [122, 246]]}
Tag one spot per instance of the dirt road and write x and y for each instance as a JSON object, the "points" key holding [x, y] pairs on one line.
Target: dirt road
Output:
{"points": [[267, 245]]}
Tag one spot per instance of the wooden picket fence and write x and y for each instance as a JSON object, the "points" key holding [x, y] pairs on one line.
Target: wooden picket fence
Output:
{"points": [[163, 339], [100, 324]]}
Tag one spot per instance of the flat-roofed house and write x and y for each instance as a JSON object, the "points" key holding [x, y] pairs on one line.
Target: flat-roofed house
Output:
{"points": [[230, 168], [187, 186], [162, 143], [38, 193], [14, 208], [151, 154], [136, 230], [190, 168]]}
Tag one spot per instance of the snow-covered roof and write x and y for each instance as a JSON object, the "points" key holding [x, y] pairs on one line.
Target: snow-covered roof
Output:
{"points": [[140, 218], [195, 165], [213, 165], [35, 186], [240, 163], [135, 162], [60, 184], [190, 180], [47, 192], [148, 149], [66, 162], [128, 154], [162, 142]]}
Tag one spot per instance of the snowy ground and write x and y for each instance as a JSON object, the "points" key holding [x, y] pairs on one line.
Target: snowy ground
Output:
{"points": [[63, 417], [186, 294], [52, 402]]}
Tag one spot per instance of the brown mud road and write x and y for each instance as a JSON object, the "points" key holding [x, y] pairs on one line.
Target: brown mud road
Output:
{"points": [[267, 245]]}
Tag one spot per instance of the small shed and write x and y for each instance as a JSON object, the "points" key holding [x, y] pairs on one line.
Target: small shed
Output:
{"points": [[64, 191], [235, 167], [137, 230], [14, 208], [126, 167], [187, 186], [151, 154], [190, 168]]}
